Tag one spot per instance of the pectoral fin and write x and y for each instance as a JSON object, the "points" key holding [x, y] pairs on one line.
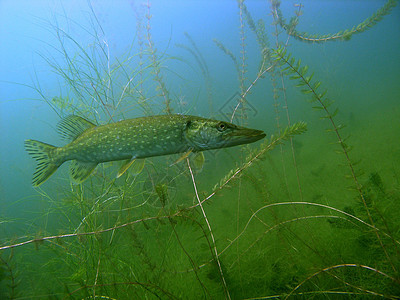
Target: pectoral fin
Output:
{"points": [[137, 167], [81, 170], [198, 161], [185, 155], [125, 166]]}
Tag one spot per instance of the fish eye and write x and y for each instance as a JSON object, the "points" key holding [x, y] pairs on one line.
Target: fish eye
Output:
{"points": [[221, 126]]}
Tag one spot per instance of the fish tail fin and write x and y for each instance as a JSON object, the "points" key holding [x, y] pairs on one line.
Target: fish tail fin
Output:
{"points": [[46, 164]]}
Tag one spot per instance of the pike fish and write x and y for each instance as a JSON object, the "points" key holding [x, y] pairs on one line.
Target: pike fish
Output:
{"points": [[131, 139]]}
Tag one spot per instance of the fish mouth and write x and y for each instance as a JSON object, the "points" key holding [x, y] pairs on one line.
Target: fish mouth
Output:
{"points": [[245, 136]]}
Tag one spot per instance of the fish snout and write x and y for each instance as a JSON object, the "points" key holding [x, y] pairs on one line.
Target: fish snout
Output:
{"points": [[245, 136]]}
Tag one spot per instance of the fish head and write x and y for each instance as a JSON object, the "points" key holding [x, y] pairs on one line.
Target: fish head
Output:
{"points": [[204, 134]]}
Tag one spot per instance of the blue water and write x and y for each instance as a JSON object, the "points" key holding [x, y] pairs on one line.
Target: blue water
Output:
{"points": [[361, 75]]}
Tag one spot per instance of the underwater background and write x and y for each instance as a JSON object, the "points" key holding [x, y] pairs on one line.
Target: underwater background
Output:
{"points": [[312, 211]]}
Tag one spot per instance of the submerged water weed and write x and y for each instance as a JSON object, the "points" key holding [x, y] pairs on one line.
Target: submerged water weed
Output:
{"points": [[8, 278], [344, 35], [254, 223]]}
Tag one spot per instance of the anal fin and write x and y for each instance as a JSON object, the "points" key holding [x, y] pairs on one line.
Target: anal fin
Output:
{"points": [[81, 170]]}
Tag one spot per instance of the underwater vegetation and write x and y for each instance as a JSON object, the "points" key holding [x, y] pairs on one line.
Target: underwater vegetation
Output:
{"points": [[299, 215]]}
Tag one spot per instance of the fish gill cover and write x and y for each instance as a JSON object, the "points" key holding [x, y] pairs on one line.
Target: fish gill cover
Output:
{"points": [[310, 211]]}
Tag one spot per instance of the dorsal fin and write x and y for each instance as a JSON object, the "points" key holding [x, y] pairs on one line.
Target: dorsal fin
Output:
{"points": [[73, 126]]}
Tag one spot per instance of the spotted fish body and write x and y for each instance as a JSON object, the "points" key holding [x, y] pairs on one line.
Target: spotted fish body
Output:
{"points": [[131, 139]]}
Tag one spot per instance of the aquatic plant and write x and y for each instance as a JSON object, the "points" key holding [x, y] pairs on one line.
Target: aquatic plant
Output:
{"points": [[258, 222], [8, 278], [344, 35]]}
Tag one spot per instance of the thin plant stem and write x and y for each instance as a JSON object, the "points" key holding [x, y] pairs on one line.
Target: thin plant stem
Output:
{"points": [[104, 105], [286, 107], [210, 230], [97, 275], [341, 141], [343, 266], [242, 97], [156, 64]]}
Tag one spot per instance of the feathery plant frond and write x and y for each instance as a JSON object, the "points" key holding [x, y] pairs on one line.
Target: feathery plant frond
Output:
{"points": [[298, 72], [258, 28], [229, 53], [294, 69], [201, 62], [158, 76], [8, 274], [275, 140], [342, 35], [198, 56]]}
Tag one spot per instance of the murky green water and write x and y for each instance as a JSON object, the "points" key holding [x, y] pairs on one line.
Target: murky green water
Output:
{"points": [[309, 214]]}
